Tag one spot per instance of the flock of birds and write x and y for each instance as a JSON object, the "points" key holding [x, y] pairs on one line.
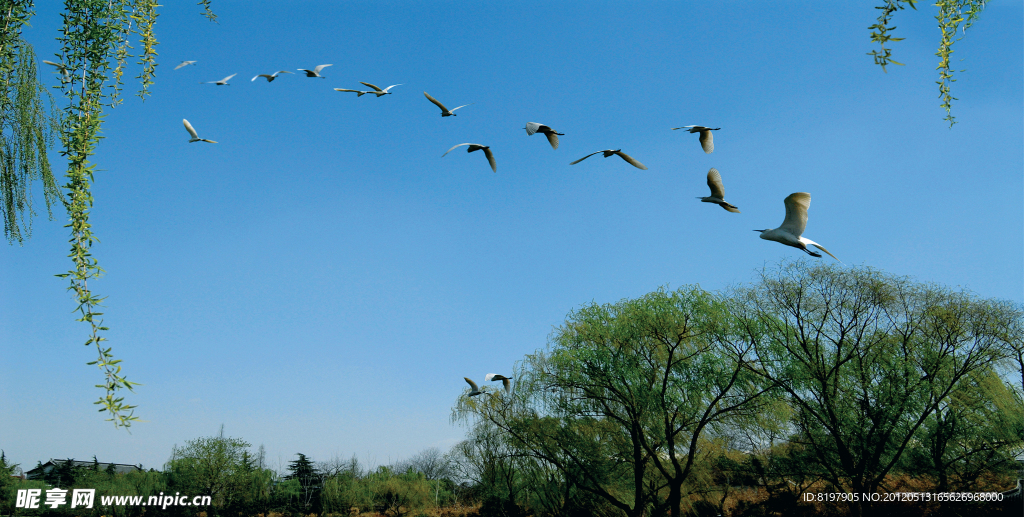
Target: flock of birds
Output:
{"points": [[790, 232], [475, 390]]}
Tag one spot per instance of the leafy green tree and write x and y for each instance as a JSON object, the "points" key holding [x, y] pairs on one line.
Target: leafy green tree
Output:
{"points": [[344, 487], [7, 483], [627, 399], [434, 465], [489, 459], [214, 466], [399, 493], [952, 15], [865, 359], [976, 431]]}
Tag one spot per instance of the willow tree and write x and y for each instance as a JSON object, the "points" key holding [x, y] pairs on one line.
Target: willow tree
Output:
{"points": [[95, 49], [953, 15], [627, 400], [866, 359], [26, 128], [977, 431]]}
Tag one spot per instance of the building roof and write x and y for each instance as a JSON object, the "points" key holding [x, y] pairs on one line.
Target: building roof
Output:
{"points": [[45, 468]]}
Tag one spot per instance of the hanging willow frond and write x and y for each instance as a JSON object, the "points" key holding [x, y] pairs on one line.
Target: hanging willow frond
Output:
{"points": [[952, 13], [880, 31], [26, 132], [95, 47]]}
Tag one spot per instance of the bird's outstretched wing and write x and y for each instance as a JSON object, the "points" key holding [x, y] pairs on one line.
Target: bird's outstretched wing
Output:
{"points": [[807, 241], [797, 204], [463, 106], [437, 102], [357, 92], [629, 159], [226, 79], [183, 64], [693, 129], [453, 147], [371, 86], [320, 67], [552, 139], [490, 159], [715, 182], [472, 384], [585, 157], [532, 127], [707, 141], [188, 127]]}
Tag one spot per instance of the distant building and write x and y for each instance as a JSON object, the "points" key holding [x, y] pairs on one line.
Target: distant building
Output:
{"points": [[44, 469]]}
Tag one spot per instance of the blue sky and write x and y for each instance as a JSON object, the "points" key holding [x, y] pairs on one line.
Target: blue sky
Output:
{"points": [[321, 279]]}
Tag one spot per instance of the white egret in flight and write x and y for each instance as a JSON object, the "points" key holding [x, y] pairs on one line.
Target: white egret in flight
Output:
{"points": [[192, 132], [315, 72], [222, 82], [707, 142], [445, 112], [184, 64], [359, 93], [271, 77], [377, 90], [477, 147], [789, 233], [474, 390], [717, 191], [65, 77], [610, 152], [534, 127], [497, 377]]}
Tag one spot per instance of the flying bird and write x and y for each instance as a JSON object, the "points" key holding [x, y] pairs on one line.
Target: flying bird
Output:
{"points": [[477, 147], [533, 127], [789, 233], [717, 192], [315, 72], [609, 152], [271, 77], [184, 64], [65, 77], [474, 390], [359, 93], [192, 132], [444, 111], [377, 90], [222, 82], [497, 377], [707, 142]]}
